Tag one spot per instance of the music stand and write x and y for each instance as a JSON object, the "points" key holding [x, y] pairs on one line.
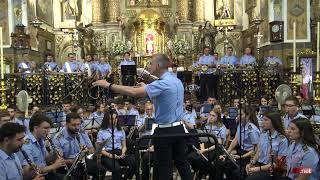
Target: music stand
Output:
{"points": [[129, 70], [127, 120], [230, 123], [233, 112], [148, 123], [264, 109], [185, 76], [207, 108]]}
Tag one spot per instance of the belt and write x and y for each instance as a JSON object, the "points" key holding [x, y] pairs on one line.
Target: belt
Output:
{"points": [[169, 125]]}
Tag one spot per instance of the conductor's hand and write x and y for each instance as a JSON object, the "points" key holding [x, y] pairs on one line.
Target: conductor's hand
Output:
{"points": [[39, 177], [141, 84], [101, 83]]}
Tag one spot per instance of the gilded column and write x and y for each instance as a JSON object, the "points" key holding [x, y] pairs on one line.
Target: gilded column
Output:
{"points": [[199, 10], [97, 11], [113, 11], [182, 8]]}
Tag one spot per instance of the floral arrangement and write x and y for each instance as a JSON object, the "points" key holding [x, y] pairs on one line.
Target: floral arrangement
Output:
{"points": [[118, 48], [181, 47]]}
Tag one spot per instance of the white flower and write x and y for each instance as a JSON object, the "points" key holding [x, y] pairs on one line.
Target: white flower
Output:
{"points": [[181, 47]]}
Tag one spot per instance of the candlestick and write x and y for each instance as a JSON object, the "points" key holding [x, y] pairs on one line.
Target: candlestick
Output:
{"points": [[35, 8], [294, 48], [163, 43], [318, 47], [2, 88]]}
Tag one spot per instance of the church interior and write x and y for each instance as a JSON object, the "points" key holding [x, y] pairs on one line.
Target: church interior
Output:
{"points": [[233, 52]]}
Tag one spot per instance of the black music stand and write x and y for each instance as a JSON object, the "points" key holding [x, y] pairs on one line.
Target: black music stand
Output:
{"points": [[149, 122], [233, 112], [128, 70], [127, 120], [185, 76]]}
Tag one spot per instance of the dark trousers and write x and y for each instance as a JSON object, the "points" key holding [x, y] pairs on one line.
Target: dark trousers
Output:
{"points": [[208, 86], [168, 149], [147, 160], [128, 160], [265, 176]]}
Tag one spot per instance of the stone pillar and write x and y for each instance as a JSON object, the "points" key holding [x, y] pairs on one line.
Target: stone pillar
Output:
{"points": [[113, 11], [97, 12], [199, 10], [183, 9]]}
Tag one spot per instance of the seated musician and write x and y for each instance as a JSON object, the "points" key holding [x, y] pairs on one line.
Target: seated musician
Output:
{"points": [[120, 147], [207, 79], [206, 108], [292, 111], [147, 157], [98, 113], [247, 59], [71, 65], [50, 65], [70, 141], [303, 154], [130, 109], [262, 161], [249, 141], [34, 148], [190, 115], [214, 126], [88, 66], [229, 59]]}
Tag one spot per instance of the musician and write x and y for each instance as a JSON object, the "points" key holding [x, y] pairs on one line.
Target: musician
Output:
{"points": [[292, 111], [207, 79], [127, 80], [247, 59], [229, 59], [236, 103], [272, 61], [120, 147], [50, 65], [25, 65], [34, 146], [34, 109], [174, 70], [69, 142], [88, 66], [249, 141], [22, 120], [190, 115], [12, 113], [98, 113], [167, 96], [264, 101], [4, 117], [214, 126], [66, 106], [216, 57], [262, 161], [104, 68], [148, 156], [129, 108], [71, 65], [11, 141], [206, 108]]}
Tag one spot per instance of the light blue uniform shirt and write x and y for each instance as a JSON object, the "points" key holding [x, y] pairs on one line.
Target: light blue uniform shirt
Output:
{"points": [[279, 146], [22, 67], [231, 60], [69, 145], [91, 65], [248, 59], [190, 117], [103, 69], [73, 66], [97, 117], [23, 122], [219, 132], [302, 156], [208, 60], [11, 168], [53, 66], [35, 150], [249, 136], [287, 120], [105, 134], [167, 95], [271, 60]]}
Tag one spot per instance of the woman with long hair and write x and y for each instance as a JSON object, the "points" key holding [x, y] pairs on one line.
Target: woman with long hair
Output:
{"points": [[110, 128], [272, 142]]}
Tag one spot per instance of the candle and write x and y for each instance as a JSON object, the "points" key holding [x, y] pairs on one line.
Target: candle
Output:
{"points": [[175, 38], [184, 37], [318, 47], [294, 47], [35, 8], [1, 53]]}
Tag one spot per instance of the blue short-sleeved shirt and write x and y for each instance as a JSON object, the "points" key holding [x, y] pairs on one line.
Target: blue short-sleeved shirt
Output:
{"points": [[167, 95], [279, 146], [231, 60], [10, 165], [218, 131], [250, 135], [105, 134], [248, 59], [287, 120]]}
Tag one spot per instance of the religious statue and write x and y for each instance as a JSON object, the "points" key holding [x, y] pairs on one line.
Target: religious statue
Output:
{"points": [[207, 35], [170, 44], [70, 8], [224, 11], [121, 20], [177, 19]]}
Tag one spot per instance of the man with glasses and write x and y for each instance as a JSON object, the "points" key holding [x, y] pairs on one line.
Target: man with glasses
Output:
{"points": [[292, 111]]}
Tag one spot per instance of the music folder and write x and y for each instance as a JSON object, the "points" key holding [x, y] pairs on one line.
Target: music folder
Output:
{"points": [[128, 70], [148, 122], [127, 120], [233, 112]]}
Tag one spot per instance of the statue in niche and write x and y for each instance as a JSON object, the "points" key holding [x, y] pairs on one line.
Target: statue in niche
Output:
{"points": [[70, 9], [207, 35], [224, 9]]}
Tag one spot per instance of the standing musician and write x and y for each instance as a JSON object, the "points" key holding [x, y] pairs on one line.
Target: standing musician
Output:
{"points": [[229, 59], [214, 126], [120, 147], [69, 141], [167, 95], [71, 65], [88, 66], [207, 80], [262, 162], [127, 80], [249, 141], [34, 146], [11, 141], [247, 59], [104, 68], [50, 65]]}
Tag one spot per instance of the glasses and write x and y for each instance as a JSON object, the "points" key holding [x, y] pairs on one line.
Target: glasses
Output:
{"points": [[289, 105]]}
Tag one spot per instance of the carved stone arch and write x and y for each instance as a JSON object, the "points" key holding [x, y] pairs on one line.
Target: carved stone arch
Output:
{"points": [[220, 46]]}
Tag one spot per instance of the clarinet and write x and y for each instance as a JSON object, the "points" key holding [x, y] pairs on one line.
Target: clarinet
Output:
{"points": [[33, 166], [55, 152]]}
